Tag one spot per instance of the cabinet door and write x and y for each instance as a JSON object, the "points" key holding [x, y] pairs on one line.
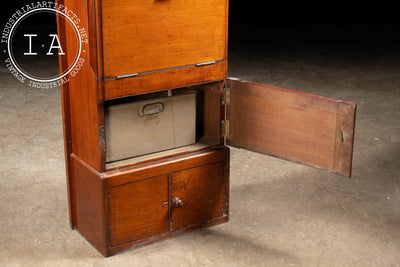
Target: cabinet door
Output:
{"points": [[147, 35], [138, 210], [308, 129], [198, 195]]}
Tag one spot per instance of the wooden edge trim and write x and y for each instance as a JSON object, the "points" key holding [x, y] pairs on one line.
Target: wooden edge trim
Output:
{"points": [[87, 166], [63, 65], [153, 239], [103, 244], [227, 182], [231, 79], [169, 165], [344, 138], [164, 80]]}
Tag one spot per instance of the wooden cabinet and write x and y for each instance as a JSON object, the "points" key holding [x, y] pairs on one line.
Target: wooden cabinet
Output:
{"points": [[157, 205], [138, 48], [140, 204]]}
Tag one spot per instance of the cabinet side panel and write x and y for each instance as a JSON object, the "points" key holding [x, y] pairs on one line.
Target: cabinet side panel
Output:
{"points": [[212, 110], [89, 199], [83, 93], [63, 65]]}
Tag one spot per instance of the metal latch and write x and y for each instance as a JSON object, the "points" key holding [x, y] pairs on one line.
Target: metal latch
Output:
{"points": [[225, 128], [126, 76], [205, 63]]}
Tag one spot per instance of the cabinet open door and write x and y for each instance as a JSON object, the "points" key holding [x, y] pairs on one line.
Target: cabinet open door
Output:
{"points": [[304, 128]]}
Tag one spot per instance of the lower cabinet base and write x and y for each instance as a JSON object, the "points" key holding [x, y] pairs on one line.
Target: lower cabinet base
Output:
{"points": [[138, 205], [153, 239]]}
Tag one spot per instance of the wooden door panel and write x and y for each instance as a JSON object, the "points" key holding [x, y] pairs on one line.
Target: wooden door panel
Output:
{"points": [[202, 192], [148, 35], [138, 210], [303, 128]]}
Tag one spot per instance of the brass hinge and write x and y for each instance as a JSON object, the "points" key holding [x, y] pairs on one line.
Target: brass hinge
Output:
{"points": [[226, 96], [102, 134], [225, 128]]}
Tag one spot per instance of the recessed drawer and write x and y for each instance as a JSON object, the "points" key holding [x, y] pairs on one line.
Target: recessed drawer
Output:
{"points": [[148, 126]]}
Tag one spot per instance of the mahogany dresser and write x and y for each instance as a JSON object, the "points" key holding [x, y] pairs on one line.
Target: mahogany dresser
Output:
{"points": [[146, 49]]}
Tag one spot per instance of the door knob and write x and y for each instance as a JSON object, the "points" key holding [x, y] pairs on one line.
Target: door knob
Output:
{"points": [[177, 203]]}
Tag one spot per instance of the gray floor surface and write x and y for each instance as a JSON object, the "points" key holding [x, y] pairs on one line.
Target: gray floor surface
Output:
{"points": [[282, 213]]}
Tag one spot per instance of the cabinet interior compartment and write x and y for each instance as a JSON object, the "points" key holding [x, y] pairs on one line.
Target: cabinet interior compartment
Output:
{"points": [[159, 124]]}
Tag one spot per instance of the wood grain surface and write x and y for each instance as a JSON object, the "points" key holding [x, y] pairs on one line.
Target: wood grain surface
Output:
{"points": [[158, 167], [167, 79], [304, 128], [202, 191], [138, 210], [146, 35], [66, 115], [89, 203], [86, 114]]}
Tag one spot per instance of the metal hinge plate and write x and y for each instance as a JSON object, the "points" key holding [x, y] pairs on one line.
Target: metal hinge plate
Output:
{"points": [[102, 134], [226, 96], [225, 128]]}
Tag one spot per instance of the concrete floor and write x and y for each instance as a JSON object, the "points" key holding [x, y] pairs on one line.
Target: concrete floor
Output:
{"points": [[282, 213]]}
